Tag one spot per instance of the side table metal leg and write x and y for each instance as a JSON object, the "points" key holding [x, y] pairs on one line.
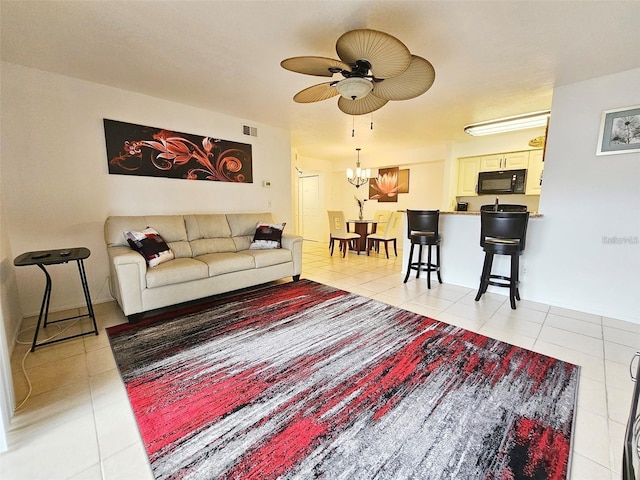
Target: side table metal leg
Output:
{"points": [[44, 307], [87, 296]]}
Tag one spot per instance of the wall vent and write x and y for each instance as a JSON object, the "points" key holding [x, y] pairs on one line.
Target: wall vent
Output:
{"points": [[247, 130]]}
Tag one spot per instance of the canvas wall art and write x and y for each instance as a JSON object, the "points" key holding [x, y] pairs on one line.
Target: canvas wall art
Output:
{"points": [[155, 152], [388, 184]]}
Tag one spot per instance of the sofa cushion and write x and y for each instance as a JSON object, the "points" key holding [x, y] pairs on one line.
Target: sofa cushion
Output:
{"points": [[226, 262], [207, 226], [266, 258], [209, 234], [245, 223], [176, 271], [170, 227], [150, 245], [243, 227], [267, 236]]}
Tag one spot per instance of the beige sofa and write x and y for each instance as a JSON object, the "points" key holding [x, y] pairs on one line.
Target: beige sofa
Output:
{"points": [[212, 256]]}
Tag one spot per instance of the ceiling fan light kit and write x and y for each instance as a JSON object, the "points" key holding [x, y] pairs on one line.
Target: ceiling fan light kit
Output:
{"points": [[376, 67], [353, 88], [509, 124]]}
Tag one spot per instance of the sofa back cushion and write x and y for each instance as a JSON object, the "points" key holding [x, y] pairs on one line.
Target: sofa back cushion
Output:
{"points": [[170, 227], [209, 233], [243, 227]]}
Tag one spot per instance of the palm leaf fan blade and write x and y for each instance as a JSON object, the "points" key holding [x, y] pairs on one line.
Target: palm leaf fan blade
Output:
{"points": [[318, 66], [361, 106], [414, 81], [316, 93], [388, 56]]}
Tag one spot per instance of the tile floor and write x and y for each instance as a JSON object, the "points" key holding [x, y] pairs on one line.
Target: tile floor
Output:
{"points": [[77, 422]]}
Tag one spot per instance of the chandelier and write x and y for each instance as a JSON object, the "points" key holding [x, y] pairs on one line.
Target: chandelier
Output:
{"points": [[360, 176]]}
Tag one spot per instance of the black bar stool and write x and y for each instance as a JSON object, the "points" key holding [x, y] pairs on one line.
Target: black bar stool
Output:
{"points": [[502, 233], [422, 230], [503, 207]]}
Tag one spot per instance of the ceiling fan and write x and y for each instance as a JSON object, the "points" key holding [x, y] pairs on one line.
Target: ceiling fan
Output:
{"points": [[376, 67]]}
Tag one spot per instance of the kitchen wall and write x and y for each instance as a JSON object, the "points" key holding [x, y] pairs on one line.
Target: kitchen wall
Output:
{"points": [[56, 190]]}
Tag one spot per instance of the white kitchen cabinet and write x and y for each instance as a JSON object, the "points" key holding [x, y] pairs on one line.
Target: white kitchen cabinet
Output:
{"points": [[468, 168], [534, 172], [504, 161]]}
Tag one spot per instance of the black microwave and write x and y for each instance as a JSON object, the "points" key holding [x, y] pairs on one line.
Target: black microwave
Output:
{"points": [[503, 181]]}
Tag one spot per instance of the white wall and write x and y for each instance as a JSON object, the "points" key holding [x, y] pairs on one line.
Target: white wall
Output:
{"points": [[9, 313], [57, 191], [585, 199]]}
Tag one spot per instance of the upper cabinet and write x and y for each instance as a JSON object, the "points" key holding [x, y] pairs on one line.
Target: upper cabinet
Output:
{"points": [[469, 167], [468, 176], [504, 161], [534, 173]]}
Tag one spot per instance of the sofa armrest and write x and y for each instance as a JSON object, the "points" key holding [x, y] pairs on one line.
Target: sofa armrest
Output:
{"points": [[294, 243], [128, 278]]}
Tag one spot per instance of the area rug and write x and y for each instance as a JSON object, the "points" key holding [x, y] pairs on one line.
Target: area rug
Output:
{"points": [[301, 380]]}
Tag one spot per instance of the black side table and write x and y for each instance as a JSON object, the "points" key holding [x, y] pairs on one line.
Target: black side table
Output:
{"points": [[54, 257]]}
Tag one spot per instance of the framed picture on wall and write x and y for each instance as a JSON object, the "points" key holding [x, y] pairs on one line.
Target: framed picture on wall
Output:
{"points": [[157, 152], [619, 131]]}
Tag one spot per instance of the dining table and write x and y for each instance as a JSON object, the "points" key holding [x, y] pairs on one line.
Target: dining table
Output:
{"points": [[361, 227]]}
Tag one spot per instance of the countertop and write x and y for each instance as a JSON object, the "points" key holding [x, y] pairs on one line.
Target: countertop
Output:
{"points": [[531, 214]]}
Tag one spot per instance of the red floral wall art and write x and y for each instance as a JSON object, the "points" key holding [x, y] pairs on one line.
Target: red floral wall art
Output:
{"points": [[154, 152]]}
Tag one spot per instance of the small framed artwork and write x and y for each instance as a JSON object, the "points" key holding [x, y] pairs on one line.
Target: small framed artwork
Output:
{"points": [[619, 131]]}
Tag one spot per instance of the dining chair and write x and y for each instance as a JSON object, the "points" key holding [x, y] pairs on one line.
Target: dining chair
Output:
{"points": [[390, 234], [338, 231], [382, 218]]}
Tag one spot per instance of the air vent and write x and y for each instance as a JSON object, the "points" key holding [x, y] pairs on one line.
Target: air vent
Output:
{"points": [[247, 130]]}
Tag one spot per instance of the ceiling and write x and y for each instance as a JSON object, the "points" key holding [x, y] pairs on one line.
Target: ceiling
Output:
{"points": [[492, 59]]}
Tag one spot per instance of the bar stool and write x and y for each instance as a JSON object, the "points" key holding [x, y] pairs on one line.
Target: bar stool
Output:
{"points": [[422, 230], [502, 233], [503, 207]]}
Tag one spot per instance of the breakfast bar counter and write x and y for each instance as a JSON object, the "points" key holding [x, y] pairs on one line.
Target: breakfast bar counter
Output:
{"points": [[461, 254], [531, 214]]}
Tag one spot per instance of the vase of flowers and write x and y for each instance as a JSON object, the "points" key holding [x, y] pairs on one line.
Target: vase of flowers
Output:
{"points": [[360, 206]]}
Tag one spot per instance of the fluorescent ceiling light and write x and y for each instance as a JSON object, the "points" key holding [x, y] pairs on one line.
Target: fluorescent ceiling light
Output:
{"points": [[509, 124]]}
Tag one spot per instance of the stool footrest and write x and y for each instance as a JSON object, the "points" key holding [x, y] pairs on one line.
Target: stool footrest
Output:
{"points": [[493, 280], [424, 267]]}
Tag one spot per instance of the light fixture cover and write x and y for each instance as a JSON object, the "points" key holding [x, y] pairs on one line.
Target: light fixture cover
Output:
{"points": [[509, 124], [354, 88]]}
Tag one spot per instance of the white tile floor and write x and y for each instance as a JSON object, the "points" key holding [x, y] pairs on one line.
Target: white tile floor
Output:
{"points": [[77, 423]]}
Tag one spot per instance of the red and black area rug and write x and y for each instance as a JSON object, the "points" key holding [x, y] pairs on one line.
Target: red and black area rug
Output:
{"points": [[302, 381]]}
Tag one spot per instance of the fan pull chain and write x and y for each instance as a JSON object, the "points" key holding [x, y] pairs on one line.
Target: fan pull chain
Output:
{"points": [[372, 121], [353, 126]]}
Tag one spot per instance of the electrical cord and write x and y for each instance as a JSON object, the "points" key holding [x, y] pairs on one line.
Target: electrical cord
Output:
{"points": [[58, 333]]}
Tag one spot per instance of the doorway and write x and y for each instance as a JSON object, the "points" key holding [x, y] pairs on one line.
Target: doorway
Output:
{"points": [[309, 205]]}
